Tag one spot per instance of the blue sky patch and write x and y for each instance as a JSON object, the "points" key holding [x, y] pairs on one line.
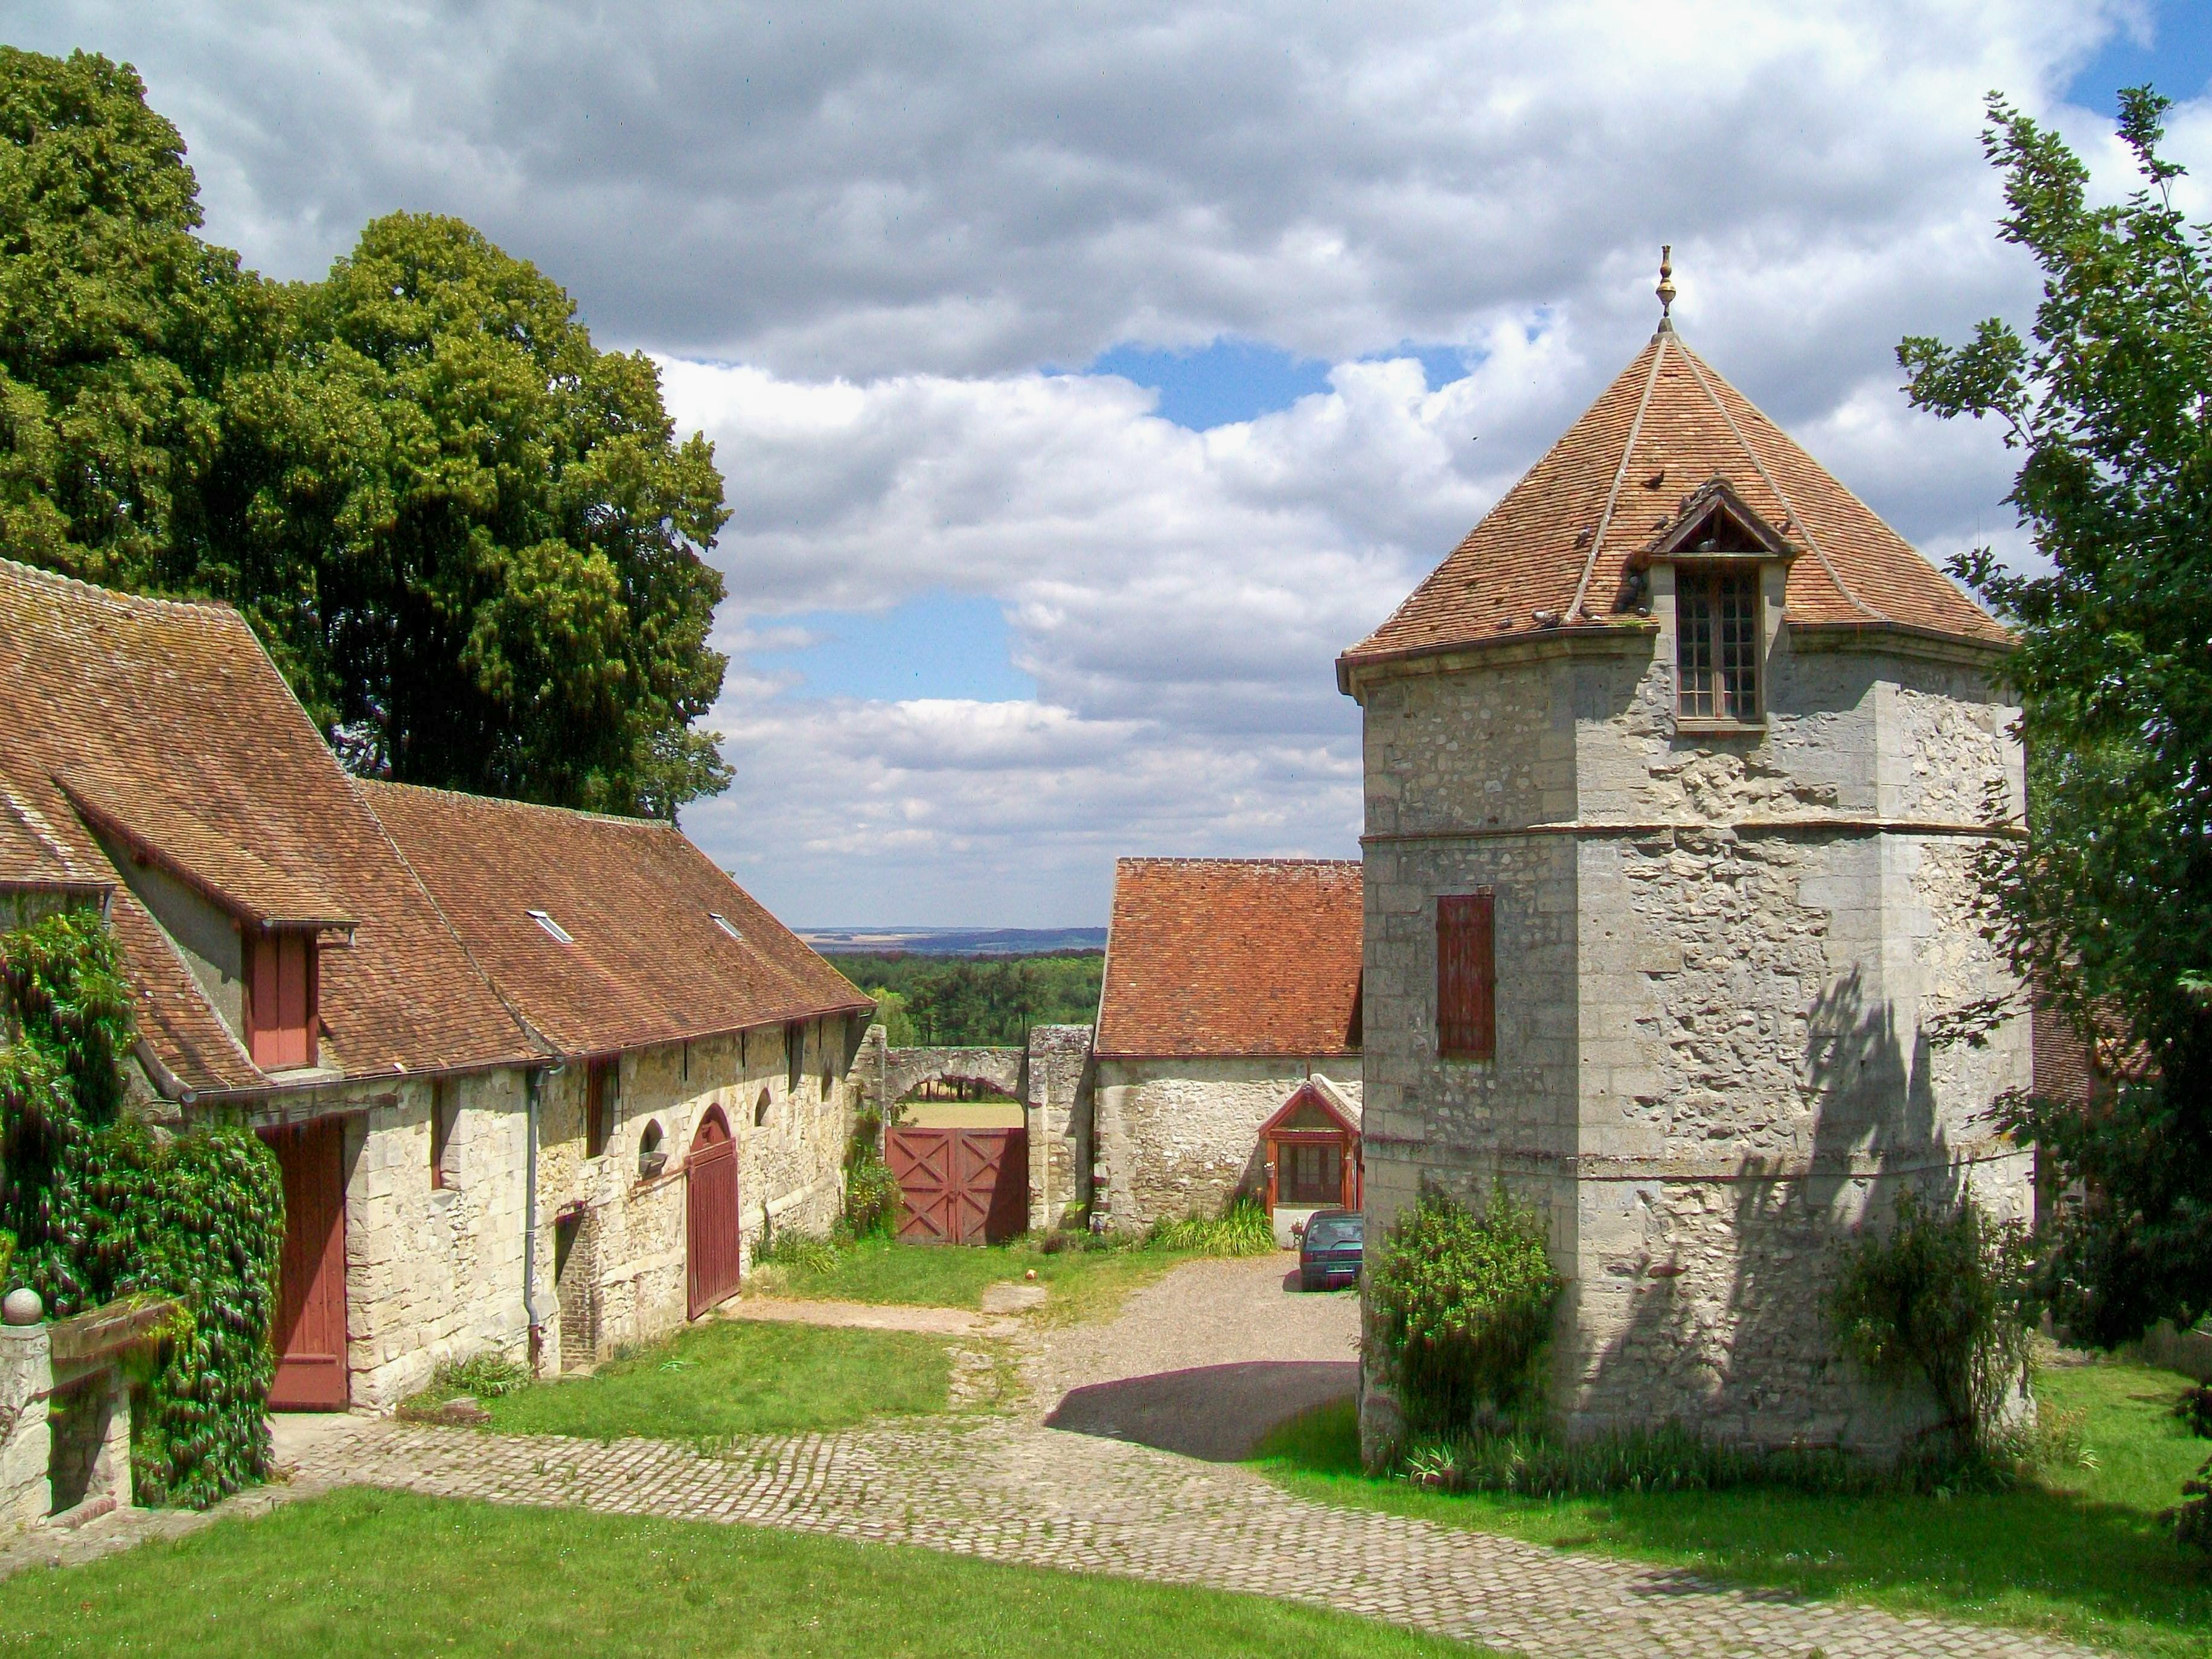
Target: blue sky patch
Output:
{"points": [[1234, 379], [941, 645], [2178, 62]]}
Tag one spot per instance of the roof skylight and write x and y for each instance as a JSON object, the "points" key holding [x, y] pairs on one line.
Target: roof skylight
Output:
{"points": [[550, 926], [726, 925]]}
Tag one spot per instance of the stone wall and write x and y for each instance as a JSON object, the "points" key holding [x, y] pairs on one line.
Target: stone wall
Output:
{"points": [[791, 1146], [1724, 968], [1059, 1093], [26, 1376], [1180, 1137], [432, 1274]]}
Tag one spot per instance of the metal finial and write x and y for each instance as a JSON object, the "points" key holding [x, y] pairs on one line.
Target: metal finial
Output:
{"points": [[1666, 290]]}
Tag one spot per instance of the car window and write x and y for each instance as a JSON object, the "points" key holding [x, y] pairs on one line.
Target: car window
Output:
{"points": [[1338, 1231]]}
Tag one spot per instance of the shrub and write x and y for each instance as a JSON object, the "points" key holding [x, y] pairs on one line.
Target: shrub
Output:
{"points": [[1668, 1458], [485, 1375], [2191, 1518], [1461, 1308], [2194, 1409], [872, 1196], [802, 1252], [1942, 1299], [1243, 1228]]}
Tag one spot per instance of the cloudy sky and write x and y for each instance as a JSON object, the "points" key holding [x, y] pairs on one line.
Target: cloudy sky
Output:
{"points": [[1086, 377]]}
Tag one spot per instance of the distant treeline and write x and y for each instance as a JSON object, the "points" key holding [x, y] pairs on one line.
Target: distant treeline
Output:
{"points": [[928, 1001]]}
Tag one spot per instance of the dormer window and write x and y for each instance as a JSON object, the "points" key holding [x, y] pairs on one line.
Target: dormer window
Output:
{"points": [[1716, 642], [1720, 551], [284, 995]]}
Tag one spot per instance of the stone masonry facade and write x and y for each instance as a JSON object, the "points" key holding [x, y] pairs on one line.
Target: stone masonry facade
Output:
{"points": [[1180, 1136], [1723, 966]]}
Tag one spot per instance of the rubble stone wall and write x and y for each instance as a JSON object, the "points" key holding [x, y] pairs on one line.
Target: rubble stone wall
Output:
{"points": [[1732, 970]]}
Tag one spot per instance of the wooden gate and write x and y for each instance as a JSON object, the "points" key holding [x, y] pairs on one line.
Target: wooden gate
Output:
{"points": [[710, 1205], [310, 1335], [960, 1186]]}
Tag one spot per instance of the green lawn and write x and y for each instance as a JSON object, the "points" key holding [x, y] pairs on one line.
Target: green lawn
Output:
{"points": [[731, 1378], [363, 1573], [1083, 1284], [2086, 1558]]}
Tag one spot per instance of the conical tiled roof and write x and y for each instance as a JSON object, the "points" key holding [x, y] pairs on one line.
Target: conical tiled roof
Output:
{"points": [[1553, 555]]}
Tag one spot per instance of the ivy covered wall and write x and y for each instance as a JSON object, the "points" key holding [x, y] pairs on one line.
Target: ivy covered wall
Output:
{"points": [[102, 1207]]}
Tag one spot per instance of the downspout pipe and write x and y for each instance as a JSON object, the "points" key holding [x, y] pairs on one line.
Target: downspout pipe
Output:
{"points": [[532, 1090]]}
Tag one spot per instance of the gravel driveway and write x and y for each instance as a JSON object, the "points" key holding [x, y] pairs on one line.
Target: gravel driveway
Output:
{"points": [[1204, 1362]]}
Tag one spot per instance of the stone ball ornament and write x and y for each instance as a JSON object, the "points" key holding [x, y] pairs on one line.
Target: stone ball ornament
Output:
{"points": [[22, 1307]]}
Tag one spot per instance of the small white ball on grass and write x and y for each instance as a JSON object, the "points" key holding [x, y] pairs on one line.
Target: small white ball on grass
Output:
{"points": [[1031, 1274]]}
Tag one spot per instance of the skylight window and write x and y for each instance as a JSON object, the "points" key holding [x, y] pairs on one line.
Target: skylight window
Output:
{"points": [[550, 925], [726, 925]]}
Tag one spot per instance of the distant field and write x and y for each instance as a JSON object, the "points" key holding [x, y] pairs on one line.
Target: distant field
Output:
{"points": [[955, 941], [968, 1001]]}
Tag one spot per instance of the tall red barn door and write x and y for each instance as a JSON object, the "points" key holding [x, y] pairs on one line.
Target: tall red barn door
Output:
{"points": [[310, 1337], [710, 1201]]}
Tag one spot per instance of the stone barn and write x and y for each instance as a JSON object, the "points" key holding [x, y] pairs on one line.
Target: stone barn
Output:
{"points": [[697, 1094], [1676, 769], [1229, 985], [533, 1081]]}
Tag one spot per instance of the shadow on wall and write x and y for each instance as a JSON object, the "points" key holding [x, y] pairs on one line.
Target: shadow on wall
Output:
{"points": [[1724, 1327]]}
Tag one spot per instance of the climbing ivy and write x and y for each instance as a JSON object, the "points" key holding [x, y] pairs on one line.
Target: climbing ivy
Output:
{"points": [[101, 1207]]}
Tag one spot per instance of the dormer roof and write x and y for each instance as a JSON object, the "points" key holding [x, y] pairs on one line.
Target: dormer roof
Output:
{"points": [[179, 738], [1554, 555]]}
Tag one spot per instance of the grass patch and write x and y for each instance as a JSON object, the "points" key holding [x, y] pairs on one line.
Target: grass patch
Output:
{"points": [[364, 1572], [731, 1378], [2081, 1554], [1084, 1284]]}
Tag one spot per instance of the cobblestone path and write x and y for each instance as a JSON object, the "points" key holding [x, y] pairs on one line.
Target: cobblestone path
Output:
{"points": [[1008, 1491]]}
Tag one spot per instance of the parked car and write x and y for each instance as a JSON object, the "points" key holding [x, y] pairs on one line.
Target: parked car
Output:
{"points": [[1330, 1251]]}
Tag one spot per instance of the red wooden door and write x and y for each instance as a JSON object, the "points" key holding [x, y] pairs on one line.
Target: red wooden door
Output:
{"points": [[710, 1200], [310, 1336], [960, 1186]]}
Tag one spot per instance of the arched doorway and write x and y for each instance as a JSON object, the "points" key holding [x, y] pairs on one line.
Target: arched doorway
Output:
{"points": [[710, 1200]]}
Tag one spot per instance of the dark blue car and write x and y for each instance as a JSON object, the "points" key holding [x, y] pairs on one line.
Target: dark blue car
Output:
{"points": [[1330, 1251]]}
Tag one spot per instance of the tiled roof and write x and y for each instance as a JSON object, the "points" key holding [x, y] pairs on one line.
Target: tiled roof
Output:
{"points": [[33, 855], [141, 813], [1566, 535], [1232, 957], [174, 718], [649, 962]]}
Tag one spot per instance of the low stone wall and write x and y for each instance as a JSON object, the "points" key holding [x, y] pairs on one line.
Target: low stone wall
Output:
{"points": [[26, 1378]]}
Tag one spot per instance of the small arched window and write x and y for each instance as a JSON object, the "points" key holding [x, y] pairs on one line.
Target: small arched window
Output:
{"points": [[760, 1111], [652, 1156]]}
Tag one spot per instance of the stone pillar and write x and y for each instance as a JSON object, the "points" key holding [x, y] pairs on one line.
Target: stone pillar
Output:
{"points": [[1058, 1072], [26, 1379]]}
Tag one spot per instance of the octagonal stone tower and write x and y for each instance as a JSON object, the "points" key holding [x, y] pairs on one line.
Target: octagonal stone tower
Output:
{"points": [[1675, 772]]}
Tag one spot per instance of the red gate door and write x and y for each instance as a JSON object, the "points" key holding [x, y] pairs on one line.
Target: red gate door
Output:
{"points": [[960, 1186], [710, 1200], [310, 1337]]}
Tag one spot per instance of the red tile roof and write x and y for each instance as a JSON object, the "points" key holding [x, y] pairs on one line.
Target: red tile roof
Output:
{"points": [[172, 719], [649, 962], [1566, 535], [1232, 957]]}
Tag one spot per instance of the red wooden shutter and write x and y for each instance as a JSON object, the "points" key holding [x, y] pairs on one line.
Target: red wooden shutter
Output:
{"points": [[1466, 976], [281, 996]]}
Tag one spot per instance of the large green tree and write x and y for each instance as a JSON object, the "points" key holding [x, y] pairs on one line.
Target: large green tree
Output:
{"points": [[2108, 902], [486, 532], [117, 326], [471, 539]]}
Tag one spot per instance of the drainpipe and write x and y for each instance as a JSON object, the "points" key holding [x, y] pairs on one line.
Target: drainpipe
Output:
{"points": [[533, 1082]]}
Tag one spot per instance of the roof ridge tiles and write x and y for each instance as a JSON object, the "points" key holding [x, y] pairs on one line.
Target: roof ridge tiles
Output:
{"points": [[621, 820], [1183, 858], [212, 609]]}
